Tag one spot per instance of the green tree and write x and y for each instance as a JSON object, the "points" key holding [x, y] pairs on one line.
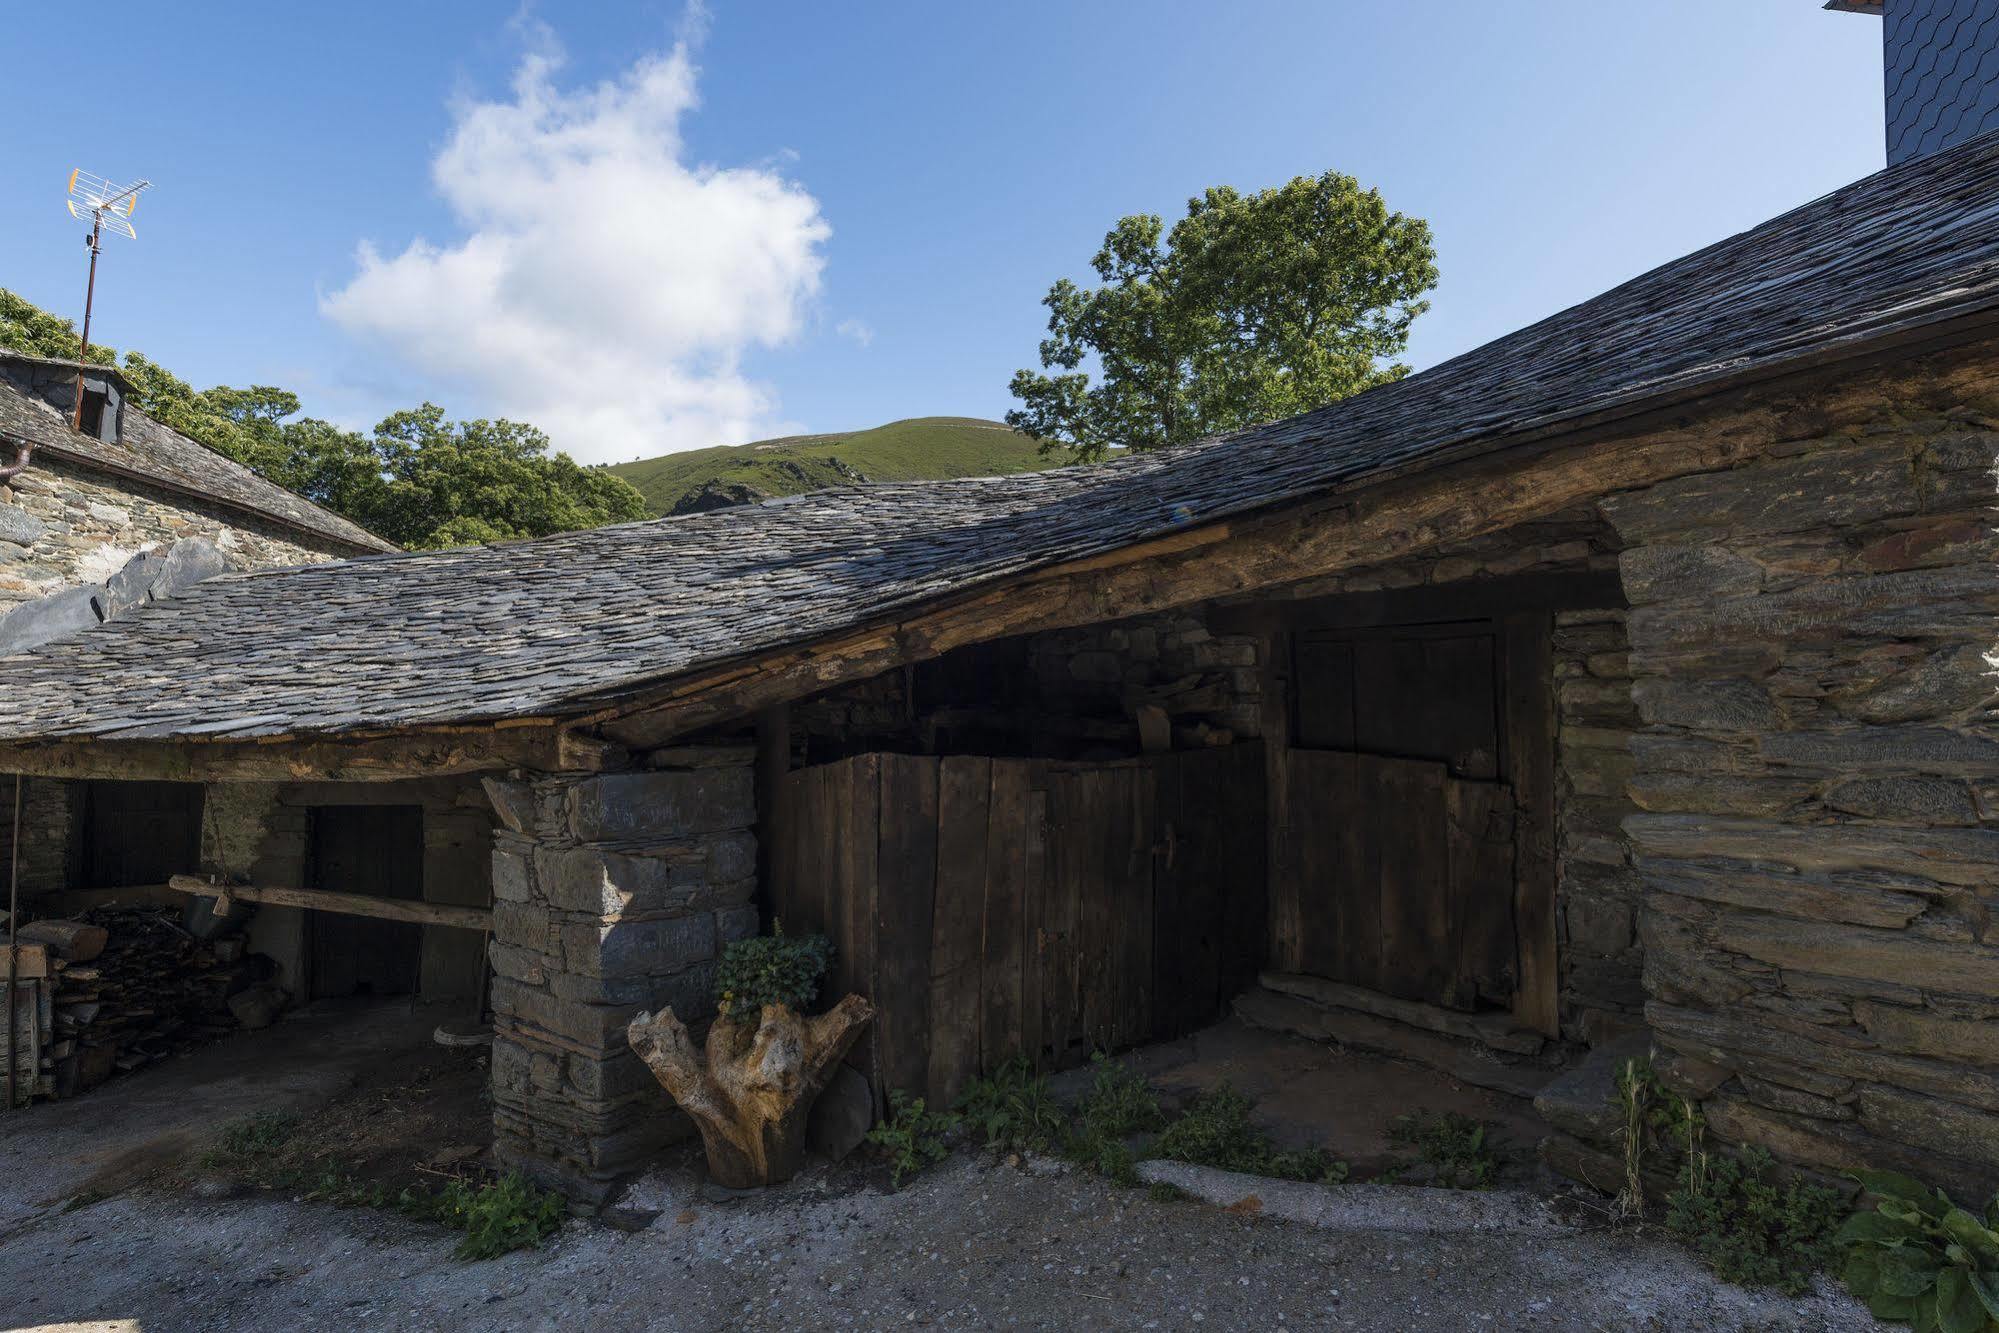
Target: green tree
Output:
{"points": [[1255, 307], [26, 327]]}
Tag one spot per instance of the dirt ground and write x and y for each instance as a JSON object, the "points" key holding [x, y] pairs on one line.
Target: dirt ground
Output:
{"points": [[973, 1244]]}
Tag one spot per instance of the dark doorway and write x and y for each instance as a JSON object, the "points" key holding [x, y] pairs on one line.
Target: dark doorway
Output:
{"points": [[140, 832], [1418, 812], [375, 850]]}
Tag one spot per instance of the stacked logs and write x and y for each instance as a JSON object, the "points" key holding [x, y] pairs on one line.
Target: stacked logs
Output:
{"points": [[125, 987]]}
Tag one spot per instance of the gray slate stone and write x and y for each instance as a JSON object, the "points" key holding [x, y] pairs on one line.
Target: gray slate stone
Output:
{"points": [[130, 586], [188, 562], [18, 526], [56, 616]]}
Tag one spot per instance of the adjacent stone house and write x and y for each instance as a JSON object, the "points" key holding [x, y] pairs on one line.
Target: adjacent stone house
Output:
{"points": [[1629, 678], [101, 521]]}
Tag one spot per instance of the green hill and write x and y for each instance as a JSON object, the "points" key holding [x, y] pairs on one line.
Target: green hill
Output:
{"points": [[920, 449]]}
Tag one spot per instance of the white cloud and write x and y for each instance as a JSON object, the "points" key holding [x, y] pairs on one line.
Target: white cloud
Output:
{"points": [[606, 288], [856, 329]]}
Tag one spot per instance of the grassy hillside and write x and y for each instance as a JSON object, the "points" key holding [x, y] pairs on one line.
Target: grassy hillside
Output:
{"points": [[920, 449]]}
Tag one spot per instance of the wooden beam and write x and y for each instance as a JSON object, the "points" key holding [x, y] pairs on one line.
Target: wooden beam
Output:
{"points": [[325, 900], [380, 757], [1471, 599]]}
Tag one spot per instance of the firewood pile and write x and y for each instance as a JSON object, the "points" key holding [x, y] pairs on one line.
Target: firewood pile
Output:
{"points": [[113, 989]]}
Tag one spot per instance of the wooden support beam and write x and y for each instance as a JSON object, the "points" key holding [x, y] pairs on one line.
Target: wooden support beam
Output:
{"points": [[325, 900], [1471, 599], [382, 757]]}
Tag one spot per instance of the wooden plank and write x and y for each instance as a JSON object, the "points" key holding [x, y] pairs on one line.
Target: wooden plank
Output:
{"points": [[1102, 822], [355, 904], [1528, 696], [1069, 866], [1483, 946], [1132, 909], [1482, 598], [1034, 898], [1008, 836], [784, 858], [1173, 945], [854, 923], [964, 794], [1415, 875], [1246, 930], [906, 879], [1275, 707]]}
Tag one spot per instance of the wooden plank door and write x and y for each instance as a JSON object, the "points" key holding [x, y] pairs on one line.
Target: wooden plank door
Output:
{"points": [[375, 850], [1400, 868]]}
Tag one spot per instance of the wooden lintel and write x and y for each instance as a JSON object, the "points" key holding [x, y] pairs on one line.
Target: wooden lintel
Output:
{"points": [[378, 758], [1470, 599], [326, 900]]}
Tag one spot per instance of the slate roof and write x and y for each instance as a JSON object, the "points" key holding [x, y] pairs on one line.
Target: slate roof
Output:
{"points": [[151, 452], [550, 626]]}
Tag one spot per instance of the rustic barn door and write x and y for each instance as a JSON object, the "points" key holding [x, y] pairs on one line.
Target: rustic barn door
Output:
{"points": [[991, 907], [1401, 834]]}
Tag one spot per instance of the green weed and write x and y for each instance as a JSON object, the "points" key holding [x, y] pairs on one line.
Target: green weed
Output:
{"points": [[1012, 1107], [1216, 1132], [1750, 1227], [912, 1135], [1453, 1146], [1919, 1258]]}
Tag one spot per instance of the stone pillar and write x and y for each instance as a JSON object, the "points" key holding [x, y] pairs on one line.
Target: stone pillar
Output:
{"points": [[612, 893], [1813, 637]]}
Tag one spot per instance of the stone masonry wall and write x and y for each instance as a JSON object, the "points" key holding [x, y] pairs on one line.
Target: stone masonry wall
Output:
{"points": [[1209, 685], [61, 527], [613, 893], [1597, 893], [1813, 637]]}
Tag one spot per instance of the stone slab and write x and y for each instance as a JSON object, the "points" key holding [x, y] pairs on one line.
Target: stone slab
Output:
{"points": [[1369, 1208]]}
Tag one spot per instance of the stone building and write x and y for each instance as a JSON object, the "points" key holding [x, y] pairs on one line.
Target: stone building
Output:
{"points": [[100, 522], [1629, 679]]}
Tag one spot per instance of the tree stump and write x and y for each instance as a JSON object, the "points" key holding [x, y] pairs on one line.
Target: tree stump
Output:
{"points": [[751, 1090]]}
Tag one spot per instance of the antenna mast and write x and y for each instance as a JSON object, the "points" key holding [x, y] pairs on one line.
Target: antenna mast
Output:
{"points": [[105, 207]]}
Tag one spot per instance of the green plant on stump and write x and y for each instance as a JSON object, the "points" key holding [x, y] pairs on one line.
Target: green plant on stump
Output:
{"points": [[1216, 1132], [1919, 1258], [1453, 1146], [771, 969], [1749, 1226], [1012, 1107], [912, 1135]]}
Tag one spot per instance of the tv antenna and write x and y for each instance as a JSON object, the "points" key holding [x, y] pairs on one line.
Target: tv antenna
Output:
{"points": [[106, 207]]}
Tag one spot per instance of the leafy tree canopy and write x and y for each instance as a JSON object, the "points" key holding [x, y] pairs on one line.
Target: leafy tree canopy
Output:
{"points": [[419, 480], [1254, 307]]}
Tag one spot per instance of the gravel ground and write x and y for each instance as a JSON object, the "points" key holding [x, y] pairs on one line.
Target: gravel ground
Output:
{"points": [[973, 1244]]}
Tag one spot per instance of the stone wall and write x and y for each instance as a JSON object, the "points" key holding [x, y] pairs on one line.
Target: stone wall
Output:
{"points": [[1597, 894], [62, 526], [1813, 636], [51, 826], [613, 893]]}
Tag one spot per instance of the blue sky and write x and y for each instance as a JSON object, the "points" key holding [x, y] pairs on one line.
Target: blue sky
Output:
{"points": [[648, 233]]}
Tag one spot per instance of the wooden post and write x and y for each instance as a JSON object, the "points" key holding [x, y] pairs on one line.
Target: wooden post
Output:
{"points": [[1529, 696]]}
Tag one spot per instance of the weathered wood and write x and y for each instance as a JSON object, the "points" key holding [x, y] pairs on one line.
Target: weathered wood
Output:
{"points": [[1415, 884], [75, 941], [1487, 1029], [1034, 937], [1483, 943], [906, 879], [353, 904], [1468, 600], [1008, 838], [1527, 678], [855, 906], [749, 1092], [362, 757], [964, 794]]}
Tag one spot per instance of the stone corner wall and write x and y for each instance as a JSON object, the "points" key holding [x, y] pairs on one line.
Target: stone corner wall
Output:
{"points": [[613, 893], [1813, 636]]}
